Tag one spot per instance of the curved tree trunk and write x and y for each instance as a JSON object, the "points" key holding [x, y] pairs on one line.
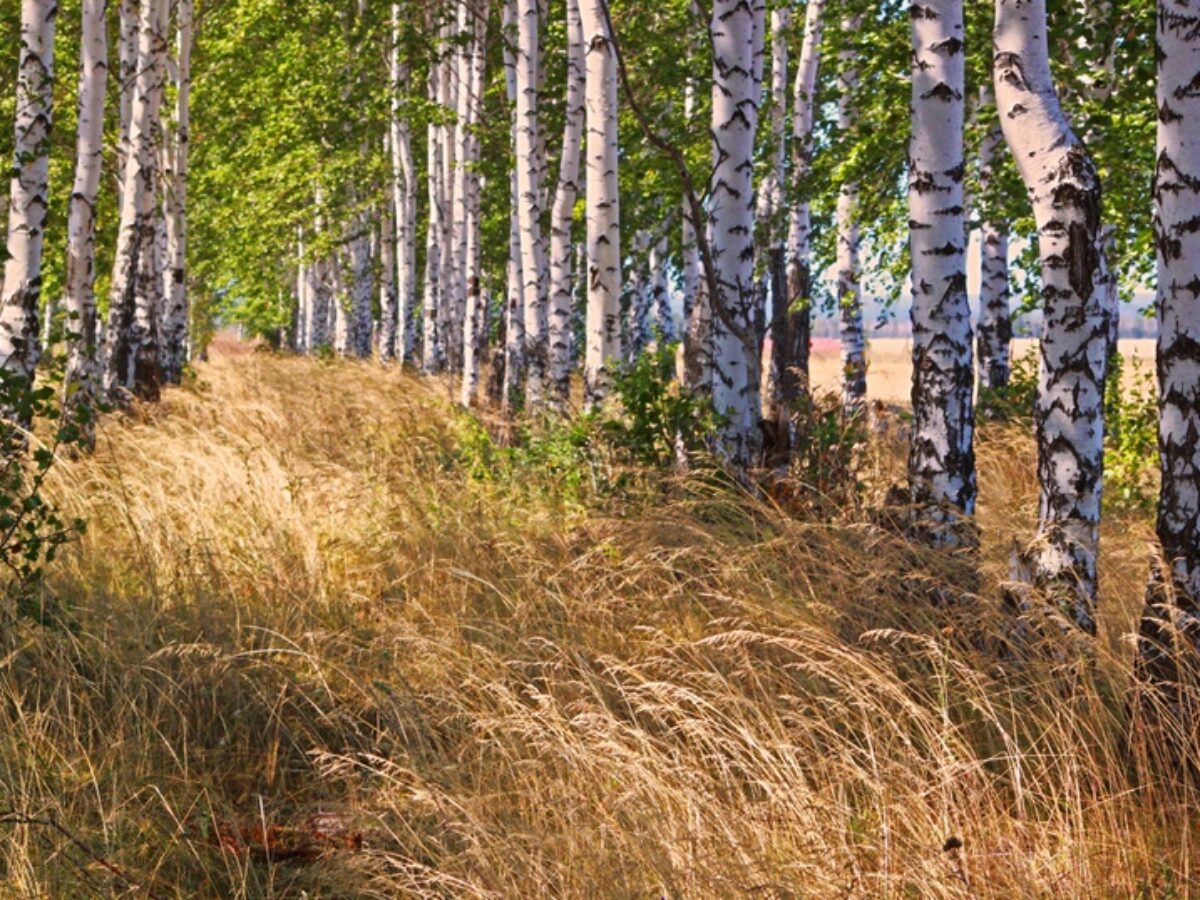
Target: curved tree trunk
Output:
{"points": [[29, 190], [737, 38], [1170, 632], [603, 205], [562, 216], [175, 181], [993, 338], [1069, 415], [941, 459], [80, 301], [849, 287]]}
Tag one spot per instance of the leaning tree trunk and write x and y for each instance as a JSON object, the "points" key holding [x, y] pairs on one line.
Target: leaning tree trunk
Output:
{"points": [[29, 191], [994, 336], [603, 327], [736, 31], [849, 286], [941, 458], [1170, 632], [79, 382], [529, 209], [175, 155], [1069, 415], [792, 353], [561, 248]]}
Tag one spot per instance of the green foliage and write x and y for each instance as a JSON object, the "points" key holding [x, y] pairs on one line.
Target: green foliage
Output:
{"points": [[1016, 401], [32, 529], [827, 449], [1131, 439]]}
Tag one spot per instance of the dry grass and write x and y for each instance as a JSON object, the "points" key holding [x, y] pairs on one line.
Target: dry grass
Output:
{"points": [[291, 599], [890, 363]]}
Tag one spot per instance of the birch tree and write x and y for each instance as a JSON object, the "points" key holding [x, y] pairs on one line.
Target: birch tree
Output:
{"points": [[175, 187], [29, 190], [388, 299], [562, 215], [994, 335], [771, 208], [792, 347], [514, 308], [941, 460], [404, 193], [603, 204], [1170, 631], [475, 321], [849, 287], [1069, 414], [736, 31], [431, 361], [529, 187], [80, 299], [130, 332]]}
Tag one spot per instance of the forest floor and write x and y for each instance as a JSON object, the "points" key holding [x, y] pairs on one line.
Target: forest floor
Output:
{"points": [[321, 639]]}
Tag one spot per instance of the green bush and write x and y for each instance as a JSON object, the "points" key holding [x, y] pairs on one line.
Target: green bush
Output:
{"points": [[32, 529]]}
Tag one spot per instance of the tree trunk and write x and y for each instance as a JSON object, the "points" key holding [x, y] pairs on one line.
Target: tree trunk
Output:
{"points": [[736, 31], [475, 321], [792, 353], [361, 292], [660, 292], [131, 333], [175, 182], [697, 355], [941, 458], [1170, 632], [404, 186], [29, 191], [562, 216], [80, 299], [431, 362], [849, 287], [772, 208], [994, 336], [127, 73], [1069, 414], [603, 205], [387, 282], [637, 323], [453, 299], [529, 209]]}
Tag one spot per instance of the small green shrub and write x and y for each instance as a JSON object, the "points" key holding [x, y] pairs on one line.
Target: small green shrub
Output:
{"points": [[32, 529], [1131, 440]]}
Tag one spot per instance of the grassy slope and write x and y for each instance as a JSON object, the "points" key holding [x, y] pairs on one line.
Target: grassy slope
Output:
{"points": [[291, 598]]}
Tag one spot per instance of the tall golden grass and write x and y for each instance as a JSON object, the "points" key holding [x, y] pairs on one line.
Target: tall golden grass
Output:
{"points": [[292, 600]]}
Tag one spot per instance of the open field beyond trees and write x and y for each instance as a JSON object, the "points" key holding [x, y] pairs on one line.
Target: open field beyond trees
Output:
{"points": [[323, 637]]}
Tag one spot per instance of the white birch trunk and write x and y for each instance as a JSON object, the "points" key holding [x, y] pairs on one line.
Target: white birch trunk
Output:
{"points": [[80, 299], [660, 292], [1170, 632], [941, 459], [449, 312], [388, 299], [849, 287], [29, 190], [360, 289], [130, 336], [994, 335], [529, 209], [127, 72], [175, 312], [404, 185], [514, 308], [603, 205], [637, 323], [737, 34], [1069, 415], [792, 353], [772, 209], [431, 362], [562, 216], [475, 319]]}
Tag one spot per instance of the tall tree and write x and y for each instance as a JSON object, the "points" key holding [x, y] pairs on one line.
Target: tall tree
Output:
{"points": [[736, 31], [603, 204], [431, 361], [941, 460], [772, 209], [994, 335], [1170, 632], [529, 188], [80, 300], [1069, 414], [175, 185], [562, 215], [404, 191], [29, 190], [475, 320], [849, 286]]}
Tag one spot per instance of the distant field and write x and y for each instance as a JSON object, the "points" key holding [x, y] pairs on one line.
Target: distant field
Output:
{"points": [[889, 373]]}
